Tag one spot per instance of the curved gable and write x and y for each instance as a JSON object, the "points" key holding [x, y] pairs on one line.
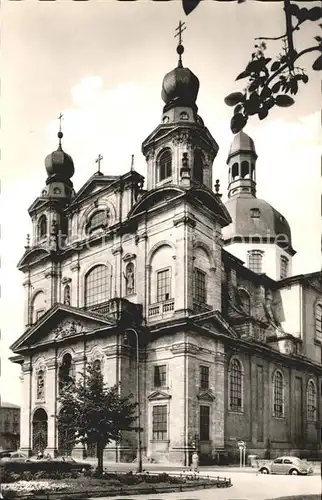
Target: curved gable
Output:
{"points": [[212, 202], [154, 197], [32, 256]]}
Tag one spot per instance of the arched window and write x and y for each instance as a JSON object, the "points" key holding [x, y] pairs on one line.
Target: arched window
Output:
{"points": [[318, 322], [234, 170], [283, 267], [99, 220], [165, 165], [42, 226], [67, 295], [244, 169], [97, 285], [311, 401], [244, 301], [40, 384], [278, 395], [255, 261], [198, 166], [235, 386], [65, 372], [129, 279]]}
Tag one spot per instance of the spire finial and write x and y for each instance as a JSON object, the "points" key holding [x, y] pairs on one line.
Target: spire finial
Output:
{"points": [[180, 49], [60, 134], [132, 163], [98, 161], [27, 241]]}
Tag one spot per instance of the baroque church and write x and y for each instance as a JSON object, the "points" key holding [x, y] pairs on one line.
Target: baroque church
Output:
{"points": [[229, 343]]}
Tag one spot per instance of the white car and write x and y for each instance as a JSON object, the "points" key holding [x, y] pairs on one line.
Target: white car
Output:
{"points": [[287, 465]]}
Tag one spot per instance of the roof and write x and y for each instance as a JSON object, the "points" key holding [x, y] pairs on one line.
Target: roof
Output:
{"points": [[267, 225], [4, 404], [241, 143]]}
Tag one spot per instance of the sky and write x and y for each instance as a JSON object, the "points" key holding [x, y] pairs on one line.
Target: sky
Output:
{"points": [[101, 64]]}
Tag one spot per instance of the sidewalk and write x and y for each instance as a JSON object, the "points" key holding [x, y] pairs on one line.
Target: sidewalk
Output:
{"points": [[168, 467]]}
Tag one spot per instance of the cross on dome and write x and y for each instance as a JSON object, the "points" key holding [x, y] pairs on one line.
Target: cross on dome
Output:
{"points": [[180, 49]]}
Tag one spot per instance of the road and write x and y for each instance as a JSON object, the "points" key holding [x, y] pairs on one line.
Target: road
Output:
{"points": [[246, 486]]}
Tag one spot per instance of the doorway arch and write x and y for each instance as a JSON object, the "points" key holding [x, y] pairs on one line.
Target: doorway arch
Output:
{"points": [[39, 431]]}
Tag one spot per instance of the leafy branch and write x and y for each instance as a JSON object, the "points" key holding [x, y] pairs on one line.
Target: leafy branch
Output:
{"points": [[270, 82]]}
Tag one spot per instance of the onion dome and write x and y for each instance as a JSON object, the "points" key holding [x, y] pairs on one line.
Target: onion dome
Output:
{"points": [[180, 86], [242, 143], [59, 165]]}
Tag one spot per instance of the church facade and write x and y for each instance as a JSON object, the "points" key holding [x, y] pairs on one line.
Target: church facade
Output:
{"points": [[229, 341]]}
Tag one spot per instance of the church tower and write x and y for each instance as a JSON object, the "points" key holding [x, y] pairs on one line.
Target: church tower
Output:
{"points": [[258, 234], [181, 132], [40, 262]]}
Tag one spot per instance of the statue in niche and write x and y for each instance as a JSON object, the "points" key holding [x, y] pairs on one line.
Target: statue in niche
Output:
{"points": [[129, 278], [40, 385], [67, 295], [65, 372]]}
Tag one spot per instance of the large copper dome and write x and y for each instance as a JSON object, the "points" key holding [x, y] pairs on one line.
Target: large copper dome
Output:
{"points": [[270, 224]]}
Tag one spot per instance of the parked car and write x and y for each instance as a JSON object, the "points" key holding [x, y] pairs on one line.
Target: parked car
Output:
{"points": [[287, 465], [6, 453], [14, 456], [69, 463]]}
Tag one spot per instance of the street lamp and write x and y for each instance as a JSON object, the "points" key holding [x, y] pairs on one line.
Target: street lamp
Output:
{"points": [[139, 451]]}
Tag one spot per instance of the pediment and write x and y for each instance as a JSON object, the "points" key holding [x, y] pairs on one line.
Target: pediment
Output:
{"points": [[59, 323], [94, 184], [129, 256], [35, 254], [157, 395], [206, 395], [215, 323]]}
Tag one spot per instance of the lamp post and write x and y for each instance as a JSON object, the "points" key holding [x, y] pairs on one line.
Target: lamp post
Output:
{"points": [[139, 451]]}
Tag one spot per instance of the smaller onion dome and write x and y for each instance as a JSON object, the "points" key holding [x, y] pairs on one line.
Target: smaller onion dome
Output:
{"points": [[180, 85], [242, 143], [59, 165]]}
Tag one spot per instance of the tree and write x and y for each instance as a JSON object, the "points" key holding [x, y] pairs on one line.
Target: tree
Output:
{"points": [[270, 82], [93, 413]]}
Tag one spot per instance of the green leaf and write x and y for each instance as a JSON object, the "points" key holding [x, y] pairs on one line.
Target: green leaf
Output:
{"points": [[238, 109], [317, 65], [294, 9], [284, 101], [234, 98], [243, 74], [262, 113], [275, 66], [237, 123], [303, 14], [315, 14], [276, 87], [189, 5]]}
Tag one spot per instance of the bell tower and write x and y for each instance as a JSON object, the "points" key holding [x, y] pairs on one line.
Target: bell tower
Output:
{"points": [[181, 150]]}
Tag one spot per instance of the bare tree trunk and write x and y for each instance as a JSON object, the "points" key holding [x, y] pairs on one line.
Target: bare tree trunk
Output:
{"points": [[100, 450]]}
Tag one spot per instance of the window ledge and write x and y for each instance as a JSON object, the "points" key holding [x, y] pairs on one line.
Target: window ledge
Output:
{"points": [[160, 441], [239, 412], [279, 418]]}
